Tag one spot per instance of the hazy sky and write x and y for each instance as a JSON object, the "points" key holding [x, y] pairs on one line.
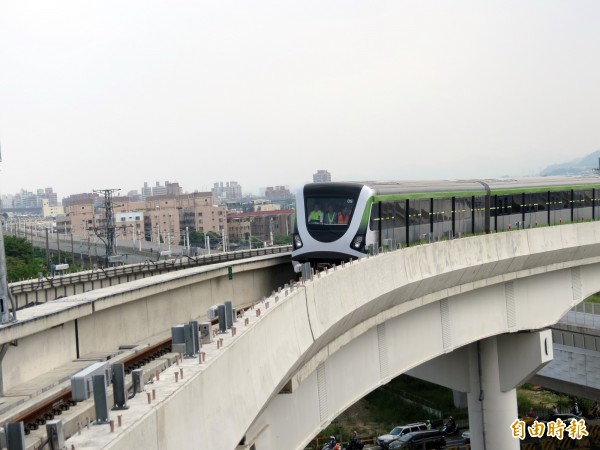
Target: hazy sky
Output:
{"points": [[109, 94]]}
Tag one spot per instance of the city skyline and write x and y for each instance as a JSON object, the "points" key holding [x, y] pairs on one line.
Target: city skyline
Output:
{"points": [[97, 95], [155, 189]]}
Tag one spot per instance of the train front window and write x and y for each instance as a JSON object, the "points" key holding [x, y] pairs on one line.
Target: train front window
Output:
{"points": [[329, 211]]}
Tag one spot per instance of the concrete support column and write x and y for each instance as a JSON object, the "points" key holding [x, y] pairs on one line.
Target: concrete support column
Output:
{"points": [[491, 410], [489, 371]]}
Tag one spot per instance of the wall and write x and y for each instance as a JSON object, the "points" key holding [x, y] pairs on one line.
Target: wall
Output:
{"points": [[129, 313]]}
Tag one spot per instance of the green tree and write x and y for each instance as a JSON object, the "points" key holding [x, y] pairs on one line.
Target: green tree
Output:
{"points": [[282, 239], [198, 238], [23, 261]]}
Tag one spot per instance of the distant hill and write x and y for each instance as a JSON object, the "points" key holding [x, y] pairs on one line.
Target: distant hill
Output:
{"points": [[579, 166]]}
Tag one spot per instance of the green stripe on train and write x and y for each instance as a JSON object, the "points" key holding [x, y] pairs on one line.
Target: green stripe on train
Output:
{"points": [[541, 189], [420, 195], [449, 194]]}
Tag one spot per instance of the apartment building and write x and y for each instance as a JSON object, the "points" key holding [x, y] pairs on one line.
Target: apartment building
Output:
{"points": [[129, 226], [169, 189], [322, 176], [160, 218], [79, 218], [229, 190], [51, 211]]}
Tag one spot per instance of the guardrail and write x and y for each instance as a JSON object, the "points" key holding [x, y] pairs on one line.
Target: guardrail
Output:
{"points": [[587, 307], [181, 262]]}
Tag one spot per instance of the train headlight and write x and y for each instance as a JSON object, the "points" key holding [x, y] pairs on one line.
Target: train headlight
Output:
{"points": [[297, 241], [357, 242]]}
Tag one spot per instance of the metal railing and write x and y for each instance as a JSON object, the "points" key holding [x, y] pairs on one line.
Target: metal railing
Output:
{"points": [[148, 266], [583, 314]]}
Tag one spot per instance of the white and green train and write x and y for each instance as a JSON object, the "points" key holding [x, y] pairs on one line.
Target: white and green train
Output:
{"points": [[393, 214]]}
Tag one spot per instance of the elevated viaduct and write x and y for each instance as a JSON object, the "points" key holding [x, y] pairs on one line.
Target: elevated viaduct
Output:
{"points": [[464, 313]]}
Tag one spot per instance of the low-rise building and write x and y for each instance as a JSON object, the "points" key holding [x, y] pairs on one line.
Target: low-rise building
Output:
{"points": [[51, 211]]}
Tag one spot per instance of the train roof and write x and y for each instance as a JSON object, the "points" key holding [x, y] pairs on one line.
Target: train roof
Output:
{"points": [[478, 186]]}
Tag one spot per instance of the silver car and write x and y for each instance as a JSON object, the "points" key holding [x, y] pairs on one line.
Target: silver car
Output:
{"points": [[385, 440], [420, 440]]}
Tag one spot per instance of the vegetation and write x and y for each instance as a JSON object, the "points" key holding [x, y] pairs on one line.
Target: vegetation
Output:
{"points": [[398, 402], [24, 261], [282, 239], [595, 298], [543, 401], [198, 238]]}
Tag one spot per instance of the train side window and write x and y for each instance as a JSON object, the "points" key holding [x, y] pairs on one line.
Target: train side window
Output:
{"points": [[566, 200], [531, 205], [582, 199], [399, 214], [419, 211], [479, 214], [504, 205], [516, 204], [374, 219], [560, 200], [538, 201], [442, 209]]}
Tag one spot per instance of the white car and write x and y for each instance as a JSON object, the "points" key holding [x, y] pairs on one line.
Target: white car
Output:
{"points": [[385, 440], [467, 436]]}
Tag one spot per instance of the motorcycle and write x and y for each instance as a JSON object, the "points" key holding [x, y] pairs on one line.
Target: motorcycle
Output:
{"points": [[332, 444], [450, 430]]}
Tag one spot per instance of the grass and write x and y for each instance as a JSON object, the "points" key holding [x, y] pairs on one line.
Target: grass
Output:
{"points": [[595, 298], [387, 406], [543, 400]]}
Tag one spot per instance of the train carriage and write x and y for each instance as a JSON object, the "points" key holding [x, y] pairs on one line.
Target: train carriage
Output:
{"points": [[347, 220]]}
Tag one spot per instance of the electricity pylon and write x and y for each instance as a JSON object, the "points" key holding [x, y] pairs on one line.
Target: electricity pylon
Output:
{"points": [[109, 224]]}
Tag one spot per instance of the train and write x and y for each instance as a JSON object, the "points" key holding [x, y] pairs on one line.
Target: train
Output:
{"points": [[340, 221]]}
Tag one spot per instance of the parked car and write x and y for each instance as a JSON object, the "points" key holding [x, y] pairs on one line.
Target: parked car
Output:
{"points": [[467, 436], [418, 440], [385, 440]]}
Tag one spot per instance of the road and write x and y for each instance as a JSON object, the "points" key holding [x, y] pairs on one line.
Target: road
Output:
{"points": [[87, 250]]}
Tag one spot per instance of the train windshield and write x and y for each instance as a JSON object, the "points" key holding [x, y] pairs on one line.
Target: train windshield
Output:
{"points": [[325, 212]]}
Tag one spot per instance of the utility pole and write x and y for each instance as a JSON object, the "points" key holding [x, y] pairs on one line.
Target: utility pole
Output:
{"points": [[4, 293], [187, 237], [58, 243], [47, 250], [4, 299]]}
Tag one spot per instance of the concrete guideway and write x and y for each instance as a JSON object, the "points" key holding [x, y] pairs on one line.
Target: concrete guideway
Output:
{"points": [[55, 333], [31, 292], [285, 378], [401, 309]]}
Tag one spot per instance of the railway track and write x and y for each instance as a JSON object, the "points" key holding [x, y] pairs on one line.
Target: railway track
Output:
{"points": [[62, 401]]}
